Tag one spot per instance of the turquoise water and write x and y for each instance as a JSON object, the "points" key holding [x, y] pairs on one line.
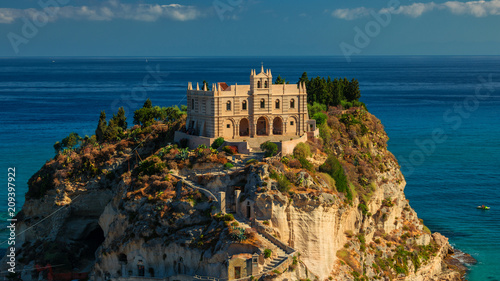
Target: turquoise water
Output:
{"points": [[447, 176]]}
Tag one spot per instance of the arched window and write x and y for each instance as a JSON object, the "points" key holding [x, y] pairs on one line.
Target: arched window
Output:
{"points": [[228, 105], [292, 103], [262, 103], [259, 84], [244, 105], [265, 84], [277, 104], [192, 104]]}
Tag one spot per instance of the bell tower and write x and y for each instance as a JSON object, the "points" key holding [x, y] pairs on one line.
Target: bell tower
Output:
{"points": [[261, 81]]}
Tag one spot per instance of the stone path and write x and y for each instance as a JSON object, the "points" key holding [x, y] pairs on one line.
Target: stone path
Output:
{"points": [[274, 262], [281, 254]]}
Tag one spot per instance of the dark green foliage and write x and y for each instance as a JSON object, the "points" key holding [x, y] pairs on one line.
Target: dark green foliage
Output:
{"points": [[101, 127], [306, 164], [119, 119], [217, 143], [228, 217], [151, 167], [148, 114], [280, 80], [351, 91], [267, 253], [333, 167], [148, 104], [69, 142], [183, 154], [363, 208], [270, 148], [316, 108], [203, 84], [331, 92], [302, 150], [320, 118], [113, 131], [303, 78], [283, 183], [238, 234]]}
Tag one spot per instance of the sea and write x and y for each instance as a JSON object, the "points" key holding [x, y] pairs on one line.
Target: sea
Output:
{"points": [[442, 115]]}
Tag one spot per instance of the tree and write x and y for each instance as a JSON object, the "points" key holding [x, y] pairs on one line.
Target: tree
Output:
{"points": [[145, 116], [303, 78], [333, 167], [352, 92], [217, 143], [120, 119], [101, 127], [203, 84], [320, 118], [113, 131], [69, 142], [270, 148], [148, 104], [280, 80]]}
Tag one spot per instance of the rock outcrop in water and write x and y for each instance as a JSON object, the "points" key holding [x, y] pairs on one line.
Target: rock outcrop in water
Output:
{"points": [[142, 207]]}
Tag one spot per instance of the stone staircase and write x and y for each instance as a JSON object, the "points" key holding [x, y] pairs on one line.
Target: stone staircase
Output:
{"points": [[279, 255]]}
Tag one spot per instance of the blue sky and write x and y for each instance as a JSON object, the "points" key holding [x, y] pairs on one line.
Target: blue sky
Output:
{"points": [[248, 28]]}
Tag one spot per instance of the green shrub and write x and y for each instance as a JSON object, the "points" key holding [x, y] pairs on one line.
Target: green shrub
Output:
{"points": [[69, 142], [228, 165], [302, 150], [285, 160], [228, 217], [182, 155], [152, 166], [217, 143], [270, 148], [333, 167], [283, 183], [306, 164], [320, 118], [363, 208], [267, 253]]}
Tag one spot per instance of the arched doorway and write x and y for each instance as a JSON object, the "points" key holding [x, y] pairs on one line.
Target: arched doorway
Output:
{"points": [[262, 126], [244, 127], [277, 126]]}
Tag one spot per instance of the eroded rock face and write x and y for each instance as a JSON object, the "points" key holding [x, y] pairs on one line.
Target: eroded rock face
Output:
{"points": [[114, 227], [318, 228]]}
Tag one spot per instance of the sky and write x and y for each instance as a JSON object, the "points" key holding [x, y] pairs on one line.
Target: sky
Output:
{"points": [[248, 28]]}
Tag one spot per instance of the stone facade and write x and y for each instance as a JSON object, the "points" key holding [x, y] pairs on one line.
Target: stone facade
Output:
{"points": [[242, 111]]}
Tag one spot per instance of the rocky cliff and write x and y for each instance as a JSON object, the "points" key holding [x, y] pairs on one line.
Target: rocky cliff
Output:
{"points": [[140, 206]]}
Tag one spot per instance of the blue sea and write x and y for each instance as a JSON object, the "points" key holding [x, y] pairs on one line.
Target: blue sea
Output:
{"points": [[442, 114]]}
